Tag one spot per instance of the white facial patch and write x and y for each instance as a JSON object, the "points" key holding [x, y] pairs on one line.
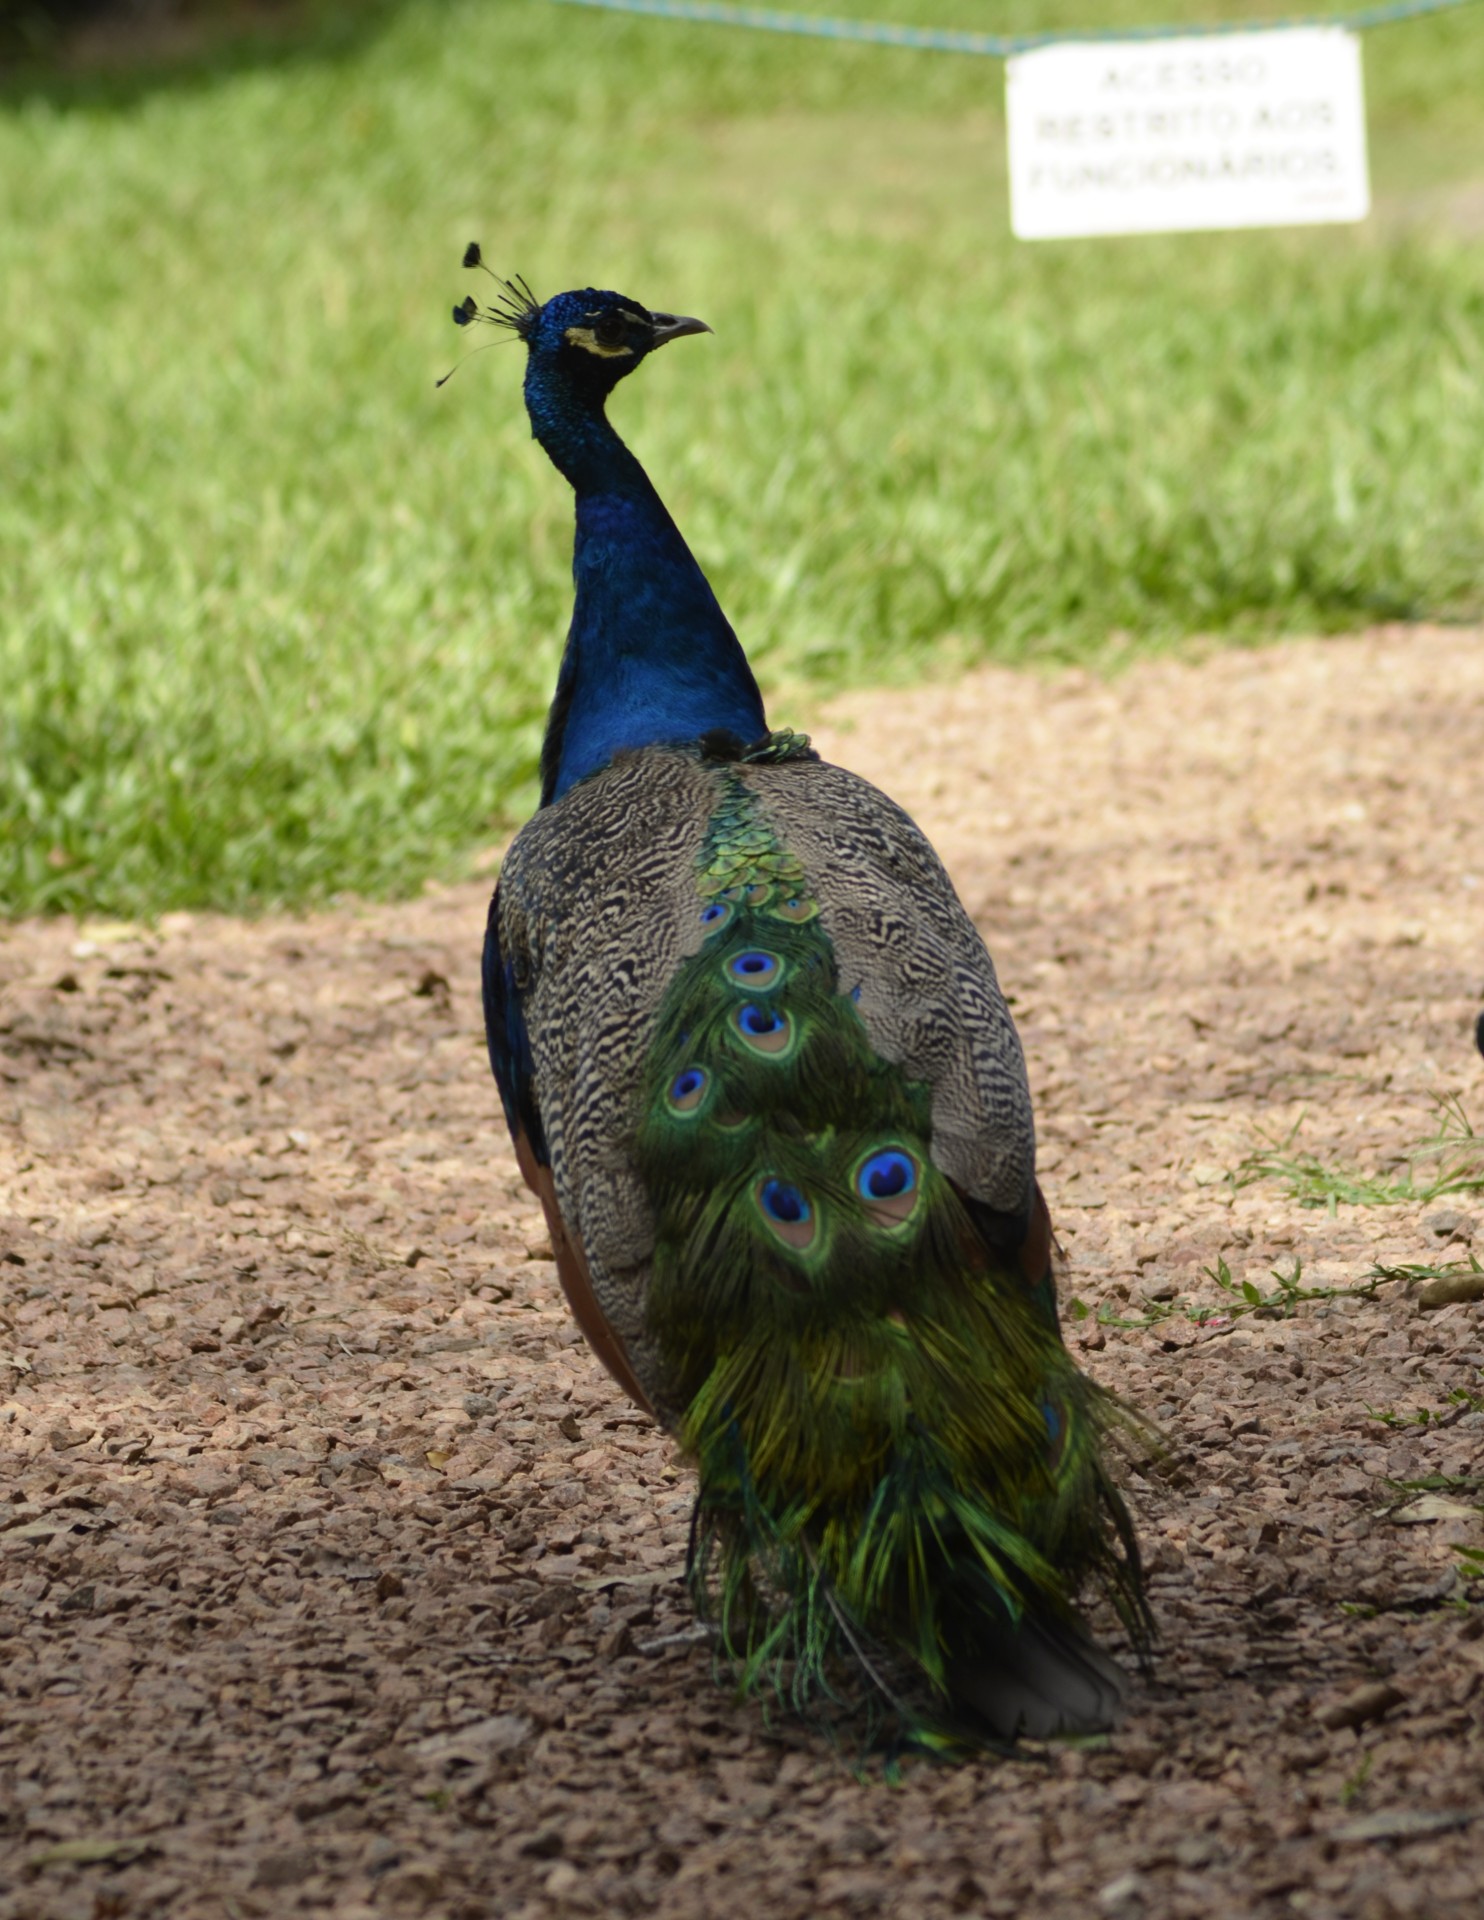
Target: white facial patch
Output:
{"points": [[585, 338]]}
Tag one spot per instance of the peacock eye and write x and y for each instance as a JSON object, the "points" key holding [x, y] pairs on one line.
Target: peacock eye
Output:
{"points": [[688, 1089], [764, 1029], [787, 1211], [755, 968], [715, 914], [887, 1182], [609, 331], [783, 1202]]}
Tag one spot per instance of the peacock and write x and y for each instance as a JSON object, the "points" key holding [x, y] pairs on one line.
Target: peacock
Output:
{"points": [[757, 1066]]}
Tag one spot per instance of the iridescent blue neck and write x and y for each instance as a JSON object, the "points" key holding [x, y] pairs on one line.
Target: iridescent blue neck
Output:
{"points": [[651, 659]]}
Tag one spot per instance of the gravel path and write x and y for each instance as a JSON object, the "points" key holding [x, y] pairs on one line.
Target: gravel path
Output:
{"points": [[336, 1578]]}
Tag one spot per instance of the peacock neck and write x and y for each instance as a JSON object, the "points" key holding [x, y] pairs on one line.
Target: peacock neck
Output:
{"points": [[651, 659]]}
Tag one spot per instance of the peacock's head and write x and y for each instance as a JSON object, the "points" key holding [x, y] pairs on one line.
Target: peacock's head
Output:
{"points": [[591, 339]]}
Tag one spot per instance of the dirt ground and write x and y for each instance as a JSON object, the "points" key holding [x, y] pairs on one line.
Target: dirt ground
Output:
{"points": [[335, 1577]]}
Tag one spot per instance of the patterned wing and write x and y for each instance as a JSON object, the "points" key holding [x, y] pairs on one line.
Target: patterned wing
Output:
{"points": [[596, 909], [913, 961]]}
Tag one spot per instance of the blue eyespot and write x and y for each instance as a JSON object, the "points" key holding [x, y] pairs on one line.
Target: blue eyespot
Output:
{"points": [[715, 913], [760, 1021], [755, 969], [763, 1029], [784, 1203], [796, 908], [886, 1176], [787, 1212], [887, 1181], [1053, 1421], [688, 1089]]}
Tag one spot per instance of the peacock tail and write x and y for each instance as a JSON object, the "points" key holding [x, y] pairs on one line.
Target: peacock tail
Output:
{"points": [[893, 1444]]}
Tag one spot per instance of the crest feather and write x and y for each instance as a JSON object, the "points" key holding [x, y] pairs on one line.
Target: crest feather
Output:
{"points": [[514, 306]]}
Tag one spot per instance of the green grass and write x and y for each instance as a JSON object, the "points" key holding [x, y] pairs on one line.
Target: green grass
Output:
{"points": [[279, 620], [1243, 1297], [1450, 1160]]}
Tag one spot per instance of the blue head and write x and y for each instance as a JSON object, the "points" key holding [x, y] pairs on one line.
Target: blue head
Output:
{"points": [[579, 346]]}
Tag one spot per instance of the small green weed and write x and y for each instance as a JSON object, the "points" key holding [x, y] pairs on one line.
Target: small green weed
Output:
{"points": [[1289, 1294], [1413, 1274], [1470, 1562], [1244, 1297], [1355, 1786], [1460, 1401], [1455, 1151]]}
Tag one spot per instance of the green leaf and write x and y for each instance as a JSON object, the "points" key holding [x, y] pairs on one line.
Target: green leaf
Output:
{"points": [[92, 1853]]}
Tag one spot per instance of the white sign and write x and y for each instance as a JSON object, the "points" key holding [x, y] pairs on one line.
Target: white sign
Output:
{"points": [[1170, 136]]}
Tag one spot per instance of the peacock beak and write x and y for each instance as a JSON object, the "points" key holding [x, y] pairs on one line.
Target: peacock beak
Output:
{"points": [[671, 326]]}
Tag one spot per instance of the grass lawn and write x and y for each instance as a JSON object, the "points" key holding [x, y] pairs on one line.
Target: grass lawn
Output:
{"points": [[279, 620]]}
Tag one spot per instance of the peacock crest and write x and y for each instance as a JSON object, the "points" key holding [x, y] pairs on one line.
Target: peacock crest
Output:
{"points": [[513, 307]]}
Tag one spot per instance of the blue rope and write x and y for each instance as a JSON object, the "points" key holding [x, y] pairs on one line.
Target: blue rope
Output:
{"points": [[994, 46]]}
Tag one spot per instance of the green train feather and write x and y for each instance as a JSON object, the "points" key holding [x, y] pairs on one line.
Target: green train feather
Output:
{"points": [[880, 1412]]}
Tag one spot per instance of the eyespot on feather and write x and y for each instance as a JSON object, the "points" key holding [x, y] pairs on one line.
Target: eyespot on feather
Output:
{"points": [[715, 915], [755, 968], [887, 1181], [796, 909], [787, 1211], [688, 1090], [764, 1029]]}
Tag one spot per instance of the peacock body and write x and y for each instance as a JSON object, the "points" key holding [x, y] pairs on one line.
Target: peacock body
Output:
{"points": [[757, 1066]]}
